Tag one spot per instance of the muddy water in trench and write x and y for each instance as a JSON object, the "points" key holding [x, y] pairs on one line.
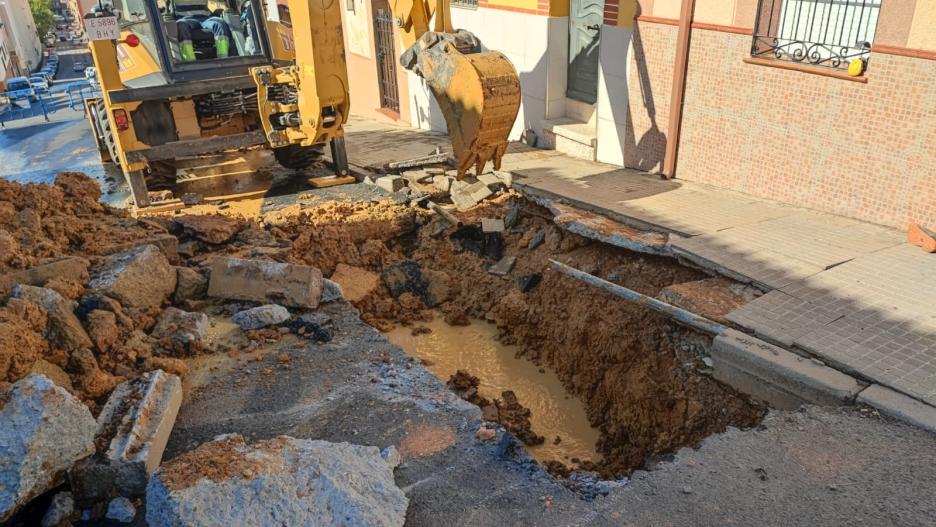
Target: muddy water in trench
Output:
{"points": [[474, 349]]}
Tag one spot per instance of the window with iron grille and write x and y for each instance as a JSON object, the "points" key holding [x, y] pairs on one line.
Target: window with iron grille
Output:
{"points": [[829, 33], [466, 4]]}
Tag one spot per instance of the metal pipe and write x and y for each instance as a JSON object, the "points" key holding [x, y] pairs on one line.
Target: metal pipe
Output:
{"points": [[680, 69], [679, 315]]}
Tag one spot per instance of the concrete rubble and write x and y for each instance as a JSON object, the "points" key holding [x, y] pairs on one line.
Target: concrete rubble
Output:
{"points": [[60, 510], [283, 481], [261, 316], [140, 278], [63, 330], [45, 431], [181, 331], [131, 435], [264, 281], [121, 510]]}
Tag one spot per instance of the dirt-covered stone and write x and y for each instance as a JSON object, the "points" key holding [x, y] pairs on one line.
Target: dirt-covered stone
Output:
{"points": [[283, 481], [64, 330], [181, 332], [140, 278], [45, 430]]}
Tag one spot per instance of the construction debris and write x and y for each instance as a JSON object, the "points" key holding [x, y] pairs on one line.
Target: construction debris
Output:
{"points": [[391, 183], [284, 480], [503, 266], [45, 430], [68, 267], [181, 332], [121, 510], [64, 330], [140, 278], [265, 281], [492, 225], [261, 316], [60, 510]]}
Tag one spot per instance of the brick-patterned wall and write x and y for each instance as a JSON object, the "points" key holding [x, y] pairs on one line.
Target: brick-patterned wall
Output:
{"points": [[867, 151], [649, 84]]}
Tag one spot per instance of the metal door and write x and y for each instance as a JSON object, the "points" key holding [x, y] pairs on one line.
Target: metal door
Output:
{"points": [[585, 18], [386, 59]]}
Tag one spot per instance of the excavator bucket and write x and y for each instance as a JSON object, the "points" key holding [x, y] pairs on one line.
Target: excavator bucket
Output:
{"points": [[477, 91]]}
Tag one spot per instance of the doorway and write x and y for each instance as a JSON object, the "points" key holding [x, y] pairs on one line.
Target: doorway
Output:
{"points": [[386, 57], [585, 19]]}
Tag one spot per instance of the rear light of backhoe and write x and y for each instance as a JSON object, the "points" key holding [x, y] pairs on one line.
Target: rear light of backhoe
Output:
{"points": [[132, 40], [121, 121]]}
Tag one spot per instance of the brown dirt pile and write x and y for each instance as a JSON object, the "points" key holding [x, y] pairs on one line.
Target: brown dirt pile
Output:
{"points": [[44, 221]]}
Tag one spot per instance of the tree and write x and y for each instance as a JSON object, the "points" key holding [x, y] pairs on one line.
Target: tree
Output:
{"points": [[42, 15]]}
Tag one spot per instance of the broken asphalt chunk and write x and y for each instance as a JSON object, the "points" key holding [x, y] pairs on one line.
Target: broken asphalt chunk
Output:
{"points": [[526, 283], [503, 266], [290, 285], [45, 430], [139, 278], [295, 481]]}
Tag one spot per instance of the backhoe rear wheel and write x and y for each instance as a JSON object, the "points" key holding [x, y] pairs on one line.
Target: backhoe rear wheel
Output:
{"points": [[298, 157], [107, 134]]}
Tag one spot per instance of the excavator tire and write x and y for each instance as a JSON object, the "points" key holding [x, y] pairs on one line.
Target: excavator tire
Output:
{"points": [[107, 134], [298, 157]]}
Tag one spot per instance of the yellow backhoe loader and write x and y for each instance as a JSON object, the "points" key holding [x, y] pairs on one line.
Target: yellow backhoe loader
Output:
{"points": [[184, 79]]}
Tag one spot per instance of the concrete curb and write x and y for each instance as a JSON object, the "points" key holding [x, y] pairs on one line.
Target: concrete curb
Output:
{"points": [[900, 406], [781, 378]]}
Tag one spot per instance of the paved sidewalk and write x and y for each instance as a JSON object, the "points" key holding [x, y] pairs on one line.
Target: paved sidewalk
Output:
{"points": [[854, 294]]}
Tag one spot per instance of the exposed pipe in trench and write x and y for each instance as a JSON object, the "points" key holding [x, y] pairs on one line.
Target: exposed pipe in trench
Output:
{"points": [[677, 314]]}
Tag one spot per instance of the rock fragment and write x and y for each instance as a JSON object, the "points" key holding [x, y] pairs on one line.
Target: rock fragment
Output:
{"points": [[60, 510], [492, 225], [537, 239], [63, 330], [261, 316], [212, 228], [185, 331], [391, 183], [103, 330], [331, 291], [190, 285], [140, 278], [45, 430], [290, 285], [283, 481], [503, 266], [442, 183], [121, 510]]}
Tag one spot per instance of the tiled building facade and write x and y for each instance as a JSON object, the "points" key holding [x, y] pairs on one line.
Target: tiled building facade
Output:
{"points": [[860, 147]]}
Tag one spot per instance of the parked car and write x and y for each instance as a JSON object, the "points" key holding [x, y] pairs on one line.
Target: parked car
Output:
{"points": [[39, 83], [20, 84], [79, 66]]}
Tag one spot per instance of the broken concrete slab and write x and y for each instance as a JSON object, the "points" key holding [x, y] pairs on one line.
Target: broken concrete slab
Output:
{"points": [[492, 225], [166, 243], [190, 285], [140, 278], [282, 480], [779, 377], [505, 177], [417, 176], [606, 230], [391, 183], [261, 316], [442, 183], [185, 330], [479, 191], [212, 228], [897, 405], [69, 267], [290, 285], [462, 198], [134, 426], [53, 372], [512, 216], [712, 298], [63, 330], [503, 266], [492, 181], [45, 430], [356, 283]]}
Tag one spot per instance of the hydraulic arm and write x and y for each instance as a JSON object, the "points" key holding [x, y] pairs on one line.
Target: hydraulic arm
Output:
{"points": [[477, 90]]}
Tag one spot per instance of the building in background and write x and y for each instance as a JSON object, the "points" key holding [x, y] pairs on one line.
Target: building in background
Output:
{"points": [[18, 38], [769, 107]]}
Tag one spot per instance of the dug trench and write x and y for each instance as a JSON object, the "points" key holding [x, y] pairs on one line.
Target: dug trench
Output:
{"points": [[639, 377], [641, 380]]}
